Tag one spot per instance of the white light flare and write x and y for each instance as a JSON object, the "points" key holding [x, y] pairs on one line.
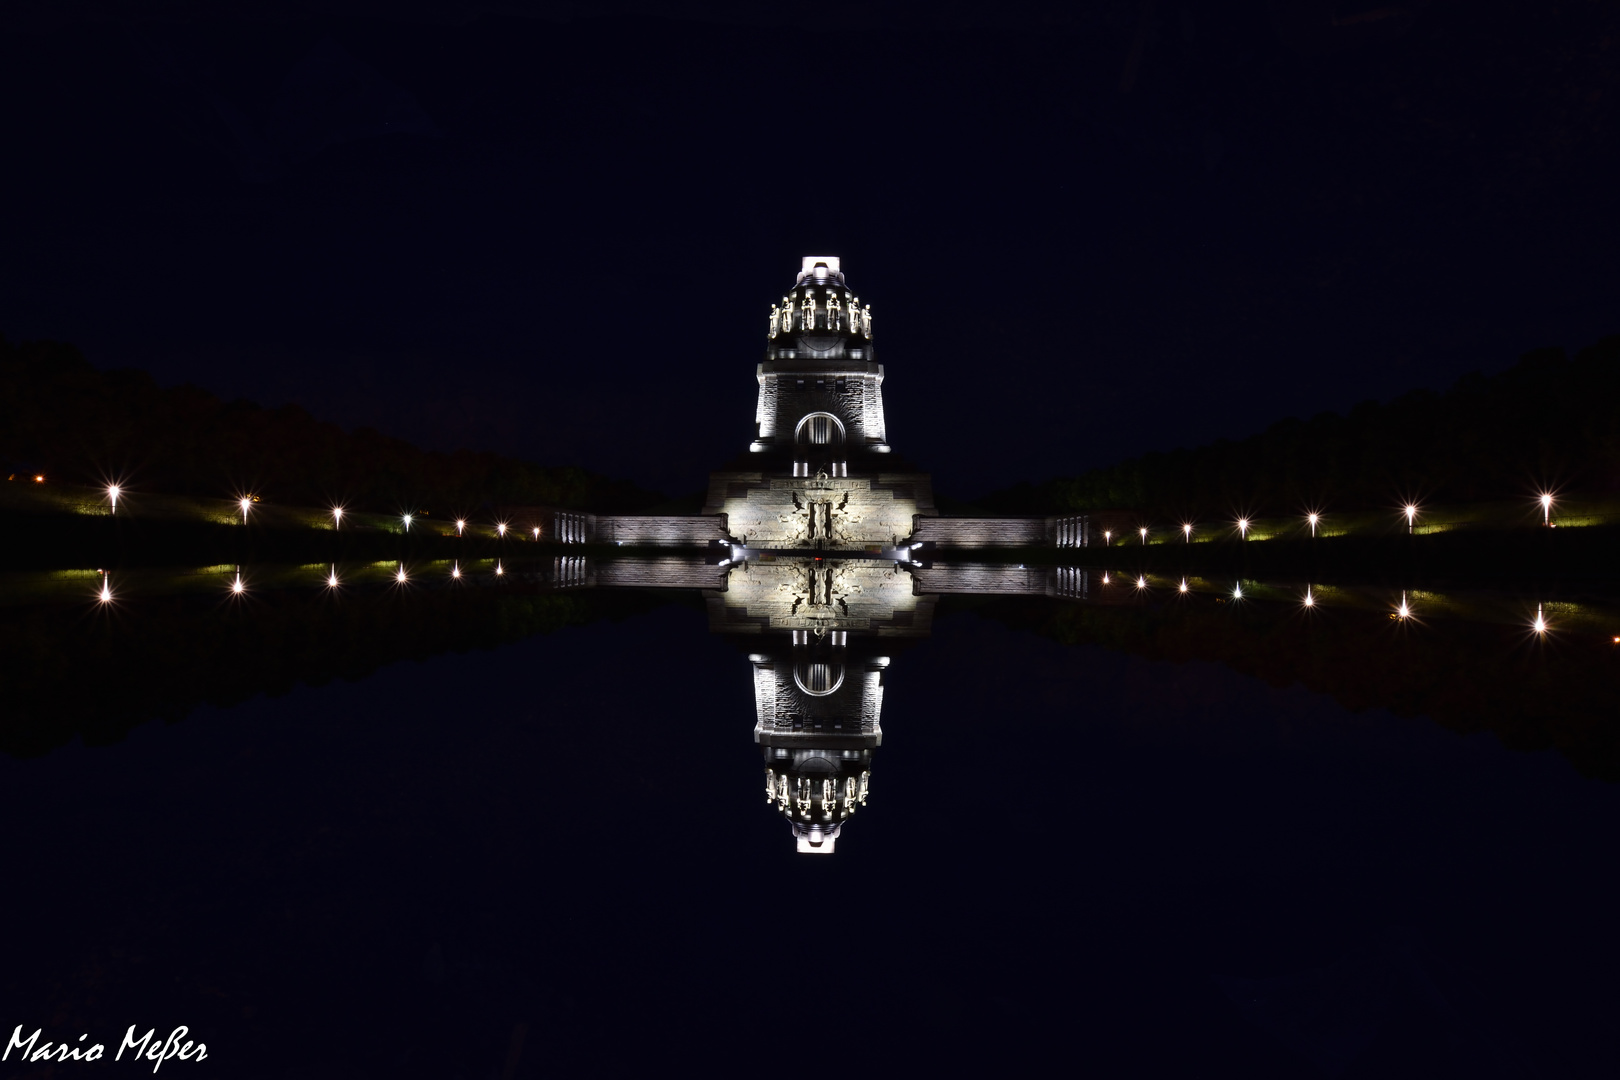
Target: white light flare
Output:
{"points": [[1105, 577], [1237, 592], [400, 575], [1540, 625], [1243, 527], [455, 569], [337, 517], [407, 519], [537, 532], [1107, 536], [500, 528], [460, 525], [1186, 532], [332, 578], [1183, 584], [105, 595], [1410, 510], [498, 570], [1143, 531], [1141, 582], [112, 494], [1546, 501], [237, 588], [1313, 519], [1310, 600], [246, 504]]}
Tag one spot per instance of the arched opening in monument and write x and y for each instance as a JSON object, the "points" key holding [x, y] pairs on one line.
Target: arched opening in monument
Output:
{"points": [[820, 440], [820, 429]]}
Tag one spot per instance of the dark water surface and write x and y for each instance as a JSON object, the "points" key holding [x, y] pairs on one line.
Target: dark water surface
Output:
{"points": [[1071, 859]]}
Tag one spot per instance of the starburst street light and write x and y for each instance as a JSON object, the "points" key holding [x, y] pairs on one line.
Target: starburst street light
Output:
{"points": [[1310, 601], [498, 570], [537, 532], [1403, 611], [105, 595], [407, 519], [1243, 527], [1107, 536], [1546, 501], [460, 525], [1183, 584], [500, 528], [337, 516], [1313, 519], [1186, 532], [112, 494], [1540, 625], [246, 504], [455, 569], [1237, 592], [1143, 531], [332, 578], [237, 587], [400, 576], [1410, 510], [1141, 582]]}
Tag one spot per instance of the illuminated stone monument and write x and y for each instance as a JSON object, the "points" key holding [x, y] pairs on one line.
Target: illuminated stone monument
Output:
{"points": [[821, 440]]}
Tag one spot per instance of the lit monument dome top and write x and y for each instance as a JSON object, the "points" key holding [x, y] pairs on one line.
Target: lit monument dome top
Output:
{"points": [[820, 303], [827, 264]]}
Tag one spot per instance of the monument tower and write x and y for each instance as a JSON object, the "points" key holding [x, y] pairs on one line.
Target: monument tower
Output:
{"points": [[821, 440]]}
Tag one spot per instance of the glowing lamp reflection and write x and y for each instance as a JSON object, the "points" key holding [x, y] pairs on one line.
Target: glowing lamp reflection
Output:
{"points": [[498, 570], [1183, 584], [500, 528], [460, 525], [1540, 625], [1141, 582], [1243, 527], [407, 519]]}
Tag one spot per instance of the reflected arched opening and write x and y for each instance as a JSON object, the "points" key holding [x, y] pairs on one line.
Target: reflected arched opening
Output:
{"points": [[818, 678]]}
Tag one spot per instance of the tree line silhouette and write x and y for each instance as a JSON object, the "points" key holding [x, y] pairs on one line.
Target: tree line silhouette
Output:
{"points": [[61, 417], [1547, 423]]}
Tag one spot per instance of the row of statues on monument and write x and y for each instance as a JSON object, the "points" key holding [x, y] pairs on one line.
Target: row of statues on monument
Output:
{"points": [[784, 319]]}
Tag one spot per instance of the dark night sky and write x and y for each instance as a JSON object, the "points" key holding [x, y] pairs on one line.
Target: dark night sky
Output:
{"points": [[1086, 230]]}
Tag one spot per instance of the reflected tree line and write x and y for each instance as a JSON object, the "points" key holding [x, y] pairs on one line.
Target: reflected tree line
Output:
{"points": [[67, 676], [1533, 694], [1548, 421]]}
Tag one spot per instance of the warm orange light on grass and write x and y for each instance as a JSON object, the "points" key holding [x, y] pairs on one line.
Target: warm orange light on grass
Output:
{"points": [[39, 479]]}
